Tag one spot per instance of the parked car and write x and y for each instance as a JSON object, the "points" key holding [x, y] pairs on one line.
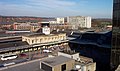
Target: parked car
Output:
{"points": [[23, 55], [47, 51]]}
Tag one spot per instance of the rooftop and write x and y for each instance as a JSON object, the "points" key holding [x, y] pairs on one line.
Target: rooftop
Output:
{"points": [[10, 39], [13, 44], [41, 34], [26, 66], [68, 52], [53, 61], [84, 60], [92, 38]]}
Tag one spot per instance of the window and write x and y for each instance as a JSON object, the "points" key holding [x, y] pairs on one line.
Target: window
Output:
{"points": [[63, 68], [40, 40], [32, 41]]}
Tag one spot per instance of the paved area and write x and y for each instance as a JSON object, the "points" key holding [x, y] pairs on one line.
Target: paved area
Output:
{"points": [[26, 66]]}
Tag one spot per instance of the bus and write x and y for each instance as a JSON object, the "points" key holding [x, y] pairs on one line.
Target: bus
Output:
{"points": [[8, 57]]}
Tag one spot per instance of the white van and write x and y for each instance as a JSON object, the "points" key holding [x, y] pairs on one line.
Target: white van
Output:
{"points": [[47, 51]]}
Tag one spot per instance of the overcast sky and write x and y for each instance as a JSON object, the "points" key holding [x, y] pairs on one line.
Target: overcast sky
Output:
{"points": [[57, 8]]}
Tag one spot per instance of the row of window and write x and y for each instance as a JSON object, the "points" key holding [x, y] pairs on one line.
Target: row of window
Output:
{"points": [[46, 39]]}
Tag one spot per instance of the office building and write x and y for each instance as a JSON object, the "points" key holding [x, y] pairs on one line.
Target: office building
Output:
{"points": [[115, 52], [58, 63], [79, 21]]}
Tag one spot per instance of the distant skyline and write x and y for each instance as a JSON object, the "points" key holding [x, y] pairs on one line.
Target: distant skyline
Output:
{"points": [[57, 8]]}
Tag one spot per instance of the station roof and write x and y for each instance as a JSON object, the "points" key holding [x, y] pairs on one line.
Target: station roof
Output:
{"points": [[13, 46], [24, 45]]}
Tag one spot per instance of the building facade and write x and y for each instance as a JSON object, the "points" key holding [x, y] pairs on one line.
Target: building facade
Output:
{"points": [[58, 63], [115, 52], [60, 26], [79, 21], [60, 20], [81, 63], [26, 26], [69, 54], [41, 38]]}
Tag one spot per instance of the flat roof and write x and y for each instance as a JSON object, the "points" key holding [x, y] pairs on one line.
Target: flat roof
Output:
{"points": [[33, 65], [13, 46], [84, 61], [68, 52], [41, 34], [53, 61]]}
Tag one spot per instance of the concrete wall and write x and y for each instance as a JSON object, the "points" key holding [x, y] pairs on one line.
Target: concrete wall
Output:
{"points": [[69, 66], [73, 56], [91, 67], [88, 67]]}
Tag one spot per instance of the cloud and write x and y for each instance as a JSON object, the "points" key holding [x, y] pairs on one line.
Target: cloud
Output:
{"points": [[52, 3], [39, 8], [49, 8]]}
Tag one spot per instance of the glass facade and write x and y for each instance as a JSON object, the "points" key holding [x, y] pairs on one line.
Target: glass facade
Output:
{"points": [[115, 52]]}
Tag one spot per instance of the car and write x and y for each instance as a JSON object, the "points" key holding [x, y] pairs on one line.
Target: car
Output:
{"points": [[47, 51], [22, 55]]}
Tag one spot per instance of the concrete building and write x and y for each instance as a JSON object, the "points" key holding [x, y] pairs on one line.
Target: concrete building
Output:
{"points": [[60, 26], [53, 22], [6, 26], [58, 63], [26, 26], [60, 20], [81, 63], [46, 30], [69, 54], [41, 38], [79, 21], [85, 64]]}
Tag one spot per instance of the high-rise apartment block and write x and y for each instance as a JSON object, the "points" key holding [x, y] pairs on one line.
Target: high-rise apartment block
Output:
{"points": [[60, 20], [79, 21]]}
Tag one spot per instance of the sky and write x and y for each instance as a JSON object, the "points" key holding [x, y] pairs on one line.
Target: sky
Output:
{"points": [[57, 8]]}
